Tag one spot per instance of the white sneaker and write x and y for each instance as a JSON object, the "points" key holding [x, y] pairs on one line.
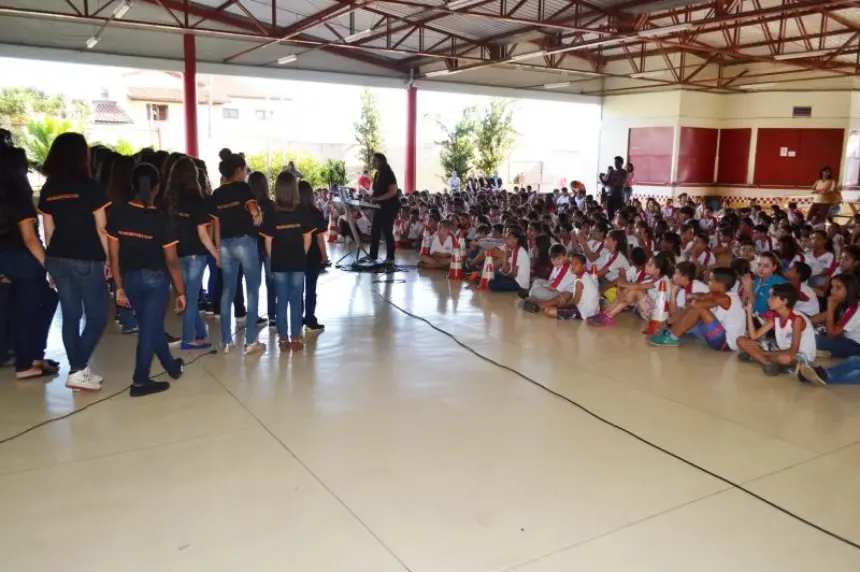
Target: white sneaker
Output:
{"points": [[227, 348], [84, 380], [254, 348], [93, 375]]}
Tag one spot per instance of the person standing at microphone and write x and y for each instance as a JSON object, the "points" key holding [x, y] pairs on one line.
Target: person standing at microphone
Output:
{"points": [[385, 195]]}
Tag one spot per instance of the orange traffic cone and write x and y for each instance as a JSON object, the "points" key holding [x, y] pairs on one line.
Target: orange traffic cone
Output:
{"points": [[455, 272], [425, 243], [594, 275], [332, 226], [661, 311], [488, 273]]}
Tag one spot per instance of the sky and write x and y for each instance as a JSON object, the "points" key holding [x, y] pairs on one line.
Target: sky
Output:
{"points": [[563, 136]]}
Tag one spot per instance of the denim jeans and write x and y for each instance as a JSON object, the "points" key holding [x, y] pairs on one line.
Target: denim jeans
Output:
{"points": [[31, 307], [271, 294], [846, 372], [502, 283], [312, 275], [83, 291], [289, 293], [212, 283], [193, 328], [839, 347], [236, 253], [149, 291], [127, 321]]}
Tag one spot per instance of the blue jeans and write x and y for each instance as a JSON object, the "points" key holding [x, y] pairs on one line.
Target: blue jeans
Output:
{"points": [[839, 347], [127, 321], [502, 283], [83, 292], [289, 286], [237, 252], [211, 285], [149, 291], [193, 328], [32, 304], [271, 294], [847, 371]]}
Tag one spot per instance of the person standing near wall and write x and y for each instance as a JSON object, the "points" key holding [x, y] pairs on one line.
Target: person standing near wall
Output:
{"points": [[826, 196], [615, 181], [628, 184]]}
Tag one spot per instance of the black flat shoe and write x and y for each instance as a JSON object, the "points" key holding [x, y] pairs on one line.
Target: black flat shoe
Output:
{"points": [[148, 388]]}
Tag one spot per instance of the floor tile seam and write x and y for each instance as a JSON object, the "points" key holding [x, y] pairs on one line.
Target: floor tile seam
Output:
{"points": [[625, 526], [817, 457], [316, 478], [129, 451]]}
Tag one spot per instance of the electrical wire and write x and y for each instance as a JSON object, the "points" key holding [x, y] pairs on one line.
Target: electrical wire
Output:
{"points": [[628, 432], [96, 402]]}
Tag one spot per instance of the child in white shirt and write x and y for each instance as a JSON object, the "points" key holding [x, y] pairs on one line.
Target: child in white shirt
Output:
{"points": [[515, 273], [580, 299], [441, 248]]}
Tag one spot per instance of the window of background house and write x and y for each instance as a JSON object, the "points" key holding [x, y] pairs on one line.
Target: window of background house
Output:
{"points": [[156, 112], [230, 113]]}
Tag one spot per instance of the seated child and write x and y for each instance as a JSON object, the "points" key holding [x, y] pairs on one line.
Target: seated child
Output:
{"points": [[474, 249], [515, 272], [441, 248], [807, 302], [845, 372], [580, 299], [415, 230], [795, 337], [684, 285], [541, 264], [642, 295], [841, 321], [717, 315], [635, 273], [613, 262], [544, 290]]}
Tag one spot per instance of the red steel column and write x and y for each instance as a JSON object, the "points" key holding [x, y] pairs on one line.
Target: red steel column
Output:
{"points": [[411, 121], [190, 96]]}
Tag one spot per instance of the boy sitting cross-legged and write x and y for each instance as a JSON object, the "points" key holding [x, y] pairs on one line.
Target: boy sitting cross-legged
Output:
{"points": [[795, 337], [717, 316], [547, 290]]}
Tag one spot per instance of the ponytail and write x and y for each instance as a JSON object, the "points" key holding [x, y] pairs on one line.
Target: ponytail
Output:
{"points": [[144, 178]]}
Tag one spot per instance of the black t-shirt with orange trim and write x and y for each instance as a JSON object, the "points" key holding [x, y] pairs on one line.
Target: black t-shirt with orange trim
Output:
{"points": [[286, 229], [143, 234], [230, 204], [21, 210], [189, 216], [320, 224], [72, 205]]}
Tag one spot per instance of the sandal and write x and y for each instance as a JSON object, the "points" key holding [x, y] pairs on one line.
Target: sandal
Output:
{"points": [[283, 344], [48, 366], [297, 345], [32, 373]]}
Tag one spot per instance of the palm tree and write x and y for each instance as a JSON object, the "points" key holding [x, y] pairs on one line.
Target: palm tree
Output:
{"points": [[39, 135]]}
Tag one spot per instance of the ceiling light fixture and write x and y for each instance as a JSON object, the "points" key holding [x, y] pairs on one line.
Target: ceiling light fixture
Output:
{"points": [[644, 74], [122, 9], [437, 73], [357, 35], [527, 56], [458, 4], [757, 85], [665, 30], [800, 55], [287, 59], [586, 73], [92, 41], [557, 85]]}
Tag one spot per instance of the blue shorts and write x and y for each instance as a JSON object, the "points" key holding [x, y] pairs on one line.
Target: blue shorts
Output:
{"points": [[714, 334]]}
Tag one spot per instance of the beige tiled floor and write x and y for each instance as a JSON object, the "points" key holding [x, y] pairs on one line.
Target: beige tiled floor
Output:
{"points": [[386, 446]]}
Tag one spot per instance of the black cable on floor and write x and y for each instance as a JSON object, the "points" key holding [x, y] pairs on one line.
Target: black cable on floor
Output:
{"points": [[628, 432], [96, 402]]}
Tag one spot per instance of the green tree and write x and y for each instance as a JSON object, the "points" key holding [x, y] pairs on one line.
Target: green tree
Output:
{"points": [[39, 135], [334, 172], [367, 132], [312, 170], [19, 104], [494, 135], [457, 149]]}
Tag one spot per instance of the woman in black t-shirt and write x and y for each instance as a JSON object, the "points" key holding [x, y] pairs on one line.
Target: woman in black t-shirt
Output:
{"points": [[144, 260], [31, 302], [185, 204], [317, 257], [385, 195], [237, 215], [288, 233], [260, 187], [73, 209]]}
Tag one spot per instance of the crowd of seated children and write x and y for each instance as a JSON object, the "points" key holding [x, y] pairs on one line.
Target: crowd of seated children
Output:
{"points": [[762, 282]]}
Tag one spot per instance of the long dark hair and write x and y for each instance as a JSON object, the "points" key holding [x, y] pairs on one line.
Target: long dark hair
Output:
{"points": [[286, 192], [119, 188], [260, 187], [852, 292], [306, 194], [14, 186], [182, 186], [144, 178], [68, 159], [620, 238]]}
